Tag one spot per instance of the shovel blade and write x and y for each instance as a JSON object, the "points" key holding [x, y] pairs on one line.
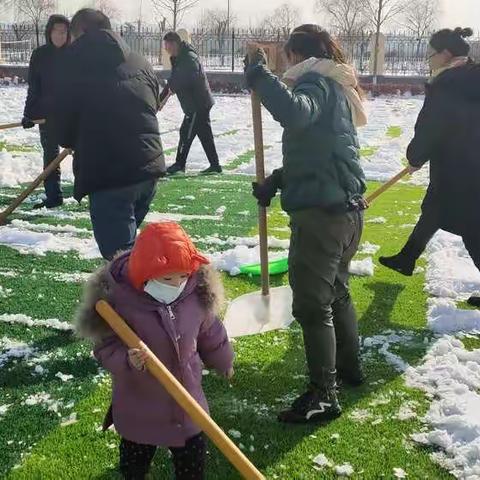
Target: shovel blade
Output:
{"points": [[254, 313]]}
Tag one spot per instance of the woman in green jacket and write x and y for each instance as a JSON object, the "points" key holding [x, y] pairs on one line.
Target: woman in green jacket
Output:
{"points": [[322, 186]]}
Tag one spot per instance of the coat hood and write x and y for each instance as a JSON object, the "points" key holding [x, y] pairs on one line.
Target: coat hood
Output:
{"points": [[111, 282], [463, 81], [342, 73], [54, 20], [100, 51]]}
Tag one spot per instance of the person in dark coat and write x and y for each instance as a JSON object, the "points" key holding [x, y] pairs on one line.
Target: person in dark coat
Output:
{"points": [[447, 135], [172, 299], [321, 184], [189, 82], [43, 73], [106, 112]]}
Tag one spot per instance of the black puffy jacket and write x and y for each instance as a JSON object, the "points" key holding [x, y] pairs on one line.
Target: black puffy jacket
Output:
{"points": [[105, 111], [447, 134], [189, 81]]}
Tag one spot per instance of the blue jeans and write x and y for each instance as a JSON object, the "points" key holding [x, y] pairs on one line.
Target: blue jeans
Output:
{"points": [[117, 214]]}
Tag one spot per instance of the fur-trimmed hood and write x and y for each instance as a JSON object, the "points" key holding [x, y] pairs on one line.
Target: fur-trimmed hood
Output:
{"points": [[111, 282]]}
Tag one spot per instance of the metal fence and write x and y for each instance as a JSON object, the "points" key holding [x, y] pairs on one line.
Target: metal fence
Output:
{"points": [[225, 50]]}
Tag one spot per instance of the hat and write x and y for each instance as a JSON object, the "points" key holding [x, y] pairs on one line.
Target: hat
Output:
{"points": [[160, 249]]}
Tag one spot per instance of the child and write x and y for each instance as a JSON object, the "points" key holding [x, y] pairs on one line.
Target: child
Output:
{"points": [[169, 295]]}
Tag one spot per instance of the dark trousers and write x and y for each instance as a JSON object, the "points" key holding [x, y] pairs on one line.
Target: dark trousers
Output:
{"points": [[51, 150], [117, 214], [197, 124], [188, 461], [321, 248], [428, 224]]}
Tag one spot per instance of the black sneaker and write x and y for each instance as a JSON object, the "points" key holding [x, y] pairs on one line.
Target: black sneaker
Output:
{"points": [[48, 204], [314, 406], [474, 301], [174, 169], [352, 377], [400, 263], [212, 170]]}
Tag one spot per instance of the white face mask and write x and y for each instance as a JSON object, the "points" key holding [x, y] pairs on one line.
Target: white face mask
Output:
{"points": [[162, 292]]}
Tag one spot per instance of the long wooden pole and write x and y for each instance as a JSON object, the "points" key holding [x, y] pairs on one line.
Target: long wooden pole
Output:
{"points": [[6, 126], [262, 211], [181, 396], [388, 184], [20, 199]]}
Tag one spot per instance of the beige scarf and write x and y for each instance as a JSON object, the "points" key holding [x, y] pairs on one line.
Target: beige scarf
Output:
{"points": [[454, 63], [342, 73]]}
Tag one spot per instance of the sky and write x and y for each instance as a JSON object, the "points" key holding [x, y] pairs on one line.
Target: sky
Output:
{"points": [[453, 12]]}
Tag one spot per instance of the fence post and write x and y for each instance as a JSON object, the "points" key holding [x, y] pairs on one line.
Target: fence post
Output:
{"points": [[233, 49]]}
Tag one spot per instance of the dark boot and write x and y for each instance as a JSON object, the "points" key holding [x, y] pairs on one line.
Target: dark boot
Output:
{"points": [[212, 170], [401, 263], [474, 301], [48, 204], [175, 168], [318, 405]]}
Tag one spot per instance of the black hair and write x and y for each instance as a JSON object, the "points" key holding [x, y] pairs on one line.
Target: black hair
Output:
{"points": [[89, 19], [310, 40], [55, 20], [452, 41], [173, 37]]}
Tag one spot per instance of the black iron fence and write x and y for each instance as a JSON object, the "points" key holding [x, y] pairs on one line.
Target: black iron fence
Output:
{"points": [[224, 50]]}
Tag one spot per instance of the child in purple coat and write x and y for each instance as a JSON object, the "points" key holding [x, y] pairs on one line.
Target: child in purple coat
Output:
{"points": [[171, 298]]}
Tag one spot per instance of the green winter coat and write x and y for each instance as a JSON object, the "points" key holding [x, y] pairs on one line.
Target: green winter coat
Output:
{"points": [[320, 147]]}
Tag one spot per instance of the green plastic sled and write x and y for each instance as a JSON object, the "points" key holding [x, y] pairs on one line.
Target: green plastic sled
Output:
{"points": [[275, 267]]}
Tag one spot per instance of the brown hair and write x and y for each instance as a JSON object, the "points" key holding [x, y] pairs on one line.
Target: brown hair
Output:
{"points": [[311, 40], [89, 19]]}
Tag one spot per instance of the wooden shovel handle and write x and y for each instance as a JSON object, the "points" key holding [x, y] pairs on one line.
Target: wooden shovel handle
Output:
{"points": [[6, 126], [181, 396], [388, 184], [20, 199]]}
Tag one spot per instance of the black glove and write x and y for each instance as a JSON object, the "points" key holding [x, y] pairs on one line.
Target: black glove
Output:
{"points": [[251, 63], [27, 123], [268, 189]]}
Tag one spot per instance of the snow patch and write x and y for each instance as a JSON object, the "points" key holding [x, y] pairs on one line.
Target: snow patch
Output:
{"points": [[30, 322]]}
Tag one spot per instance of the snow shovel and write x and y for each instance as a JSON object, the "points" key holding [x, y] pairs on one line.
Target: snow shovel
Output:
{"points": [[269, 309], [6, 126], [181, 396], [20, 199]]}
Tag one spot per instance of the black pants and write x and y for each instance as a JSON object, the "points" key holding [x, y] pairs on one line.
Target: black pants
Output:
{"points": [[321, 248], [51, 150], [197, 124], [428, 224], [188, 461], [117, 214]]}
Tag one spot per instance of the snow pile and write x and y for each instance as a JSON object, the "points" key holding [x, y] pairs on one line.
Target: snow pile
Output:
{"points": [[30, 322], [254, 241], [38, 243], [45, 400], [445, 317], [368, 248], [451, 272], [450, 375], [45, 227], [321, 461], [11, 349], [362, 268]]}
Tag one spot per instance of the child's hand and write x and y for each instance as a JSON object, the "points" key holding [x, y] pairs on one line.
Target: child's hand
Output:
{"points": [[230, 374], [137, 358]]}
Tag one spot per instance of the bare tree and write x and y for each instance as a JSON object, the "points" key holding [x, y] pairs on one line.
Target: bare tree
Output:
{"points": [[175, 8], [107, 7], [347, 17], [283, 19], [421, 16], [380, 12], [218, 22], [34, 11]]}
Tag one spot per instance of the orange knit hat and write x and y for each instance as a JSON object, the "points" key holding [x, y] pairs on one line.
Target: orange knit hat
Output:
{"points": [[160, 249]]}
